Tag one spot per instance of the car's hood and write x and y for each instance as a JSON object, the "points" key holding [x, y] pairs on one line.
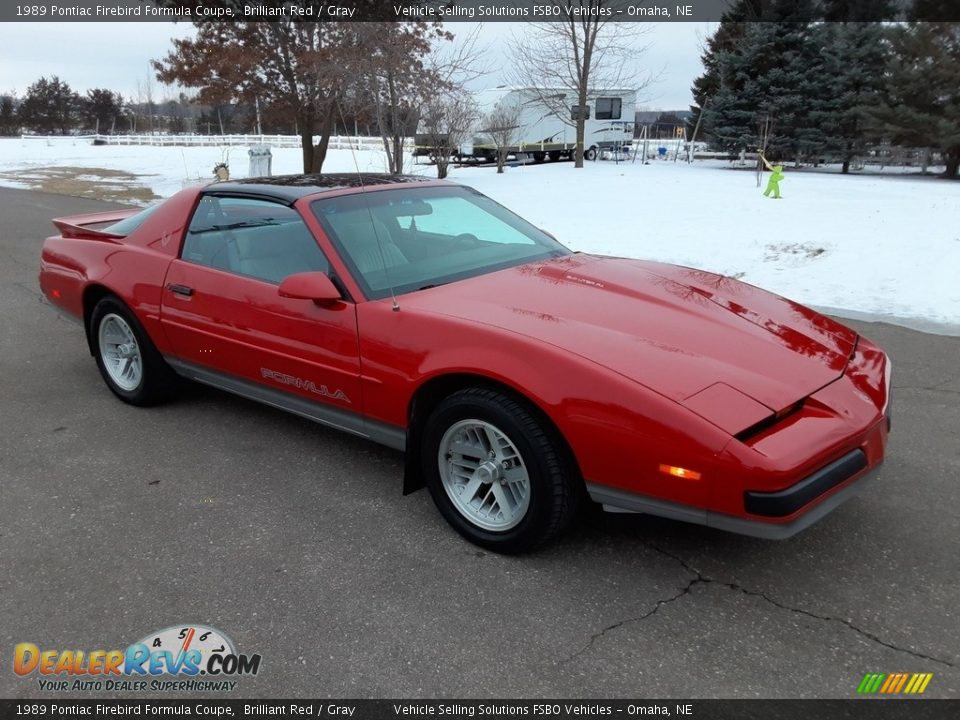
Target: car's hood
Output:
{"points": [[676, 330]]}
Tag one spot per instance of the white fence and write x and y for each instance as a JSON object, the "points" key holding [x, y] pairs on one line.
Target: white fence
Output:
{"points": [[337, 142], [676, 148]]}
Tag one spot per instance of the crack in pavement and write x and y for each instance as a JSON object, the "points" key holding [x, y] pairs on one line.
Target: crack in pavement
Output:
{"points": [[938, 388], [21, 263], [700, 578], [659, 604]]}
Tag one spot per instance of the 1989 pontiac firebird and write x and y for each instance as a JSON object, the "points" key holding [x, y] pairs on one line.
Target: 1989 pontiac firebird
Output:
{"points": [[520, 378]]}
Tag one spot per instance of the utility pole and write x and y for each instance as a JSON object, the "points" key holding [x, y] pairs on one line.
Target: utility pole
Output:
{"points": [[696, 129]]}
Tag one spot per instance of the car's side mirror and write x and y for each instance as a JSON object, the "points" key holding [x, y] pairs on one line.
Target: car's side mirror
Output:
{"points": [[316, 286]]}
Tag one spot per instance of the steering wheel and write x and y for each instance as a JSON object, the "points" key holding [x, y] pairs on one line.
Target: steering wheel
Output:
{"points": [[464, 241]]}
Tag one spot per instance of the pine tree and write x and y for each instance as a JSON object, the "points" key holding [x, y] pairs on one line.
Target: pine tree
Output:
{"points": [[8, 116], [102, 109], [49, 106], [771, 79], [921, 105], [855, 53], [730, 31]]}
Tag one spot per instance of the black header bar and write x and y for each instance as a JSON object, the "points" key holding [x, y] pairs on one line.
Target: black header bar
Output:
{"points": [[859, 709], [444, 10]]}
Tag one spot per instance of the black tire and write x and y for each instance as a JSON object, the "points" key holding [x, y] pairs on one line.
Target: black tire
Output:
{"points": [[539, 157], [555, 488], [157, 382], [590, 153], [554, 155]]}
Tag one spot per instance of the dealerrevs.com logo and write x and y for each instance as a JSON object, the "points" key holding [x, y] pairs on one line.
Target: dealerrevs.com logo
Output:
{"points": [[189, 658]]}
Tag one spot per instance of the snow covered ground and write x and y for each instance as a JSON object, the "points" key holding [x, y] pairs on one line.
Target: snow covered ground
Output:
{"points": [[883, 247]]}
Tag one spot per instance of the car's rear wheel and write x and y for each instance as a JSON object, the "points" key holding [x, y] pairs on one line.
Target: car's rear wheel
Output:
{"points": [[128, 361], [499, 474]]}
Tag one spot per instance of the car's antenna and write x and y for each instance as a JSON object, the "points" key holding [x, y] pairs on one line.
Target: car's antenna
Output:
{"points": [[373, 224]]}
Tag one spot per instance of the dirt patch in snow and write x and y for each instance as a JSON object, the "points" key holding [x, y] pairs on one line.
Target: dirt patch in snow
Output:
{"points": [[797, 251], [97, 183]]}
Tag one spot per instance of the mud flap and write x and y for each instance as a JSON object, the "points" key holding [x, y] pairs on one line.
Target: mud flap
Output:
{"points": [[412, 472]]}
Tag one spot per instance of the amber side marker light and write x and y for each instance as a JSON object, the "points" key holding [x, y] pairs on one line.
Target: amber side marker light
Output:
{"points": [[680, 472]]}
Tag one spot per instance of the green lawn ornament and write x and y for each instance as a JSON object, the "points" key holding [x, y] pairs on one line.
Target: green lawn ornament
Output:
{"points": [[776, 175]]}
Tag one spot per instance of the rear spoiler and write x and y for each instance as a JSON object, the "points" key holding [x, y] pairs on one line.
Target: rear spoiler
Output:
{"points": [[77, 226]]}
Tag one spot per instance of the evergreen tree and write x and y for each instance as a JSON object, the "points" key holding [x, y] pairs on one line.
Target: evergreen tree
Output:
{"points": [[49, 106], [729, 32], [921, 105], [855, 53], [102, 109], [770, 83], [8, 116]]}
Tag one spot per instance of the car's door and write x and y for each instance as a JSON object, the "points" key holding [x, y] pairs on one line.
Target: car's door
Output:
{"points": [[229, 326]]}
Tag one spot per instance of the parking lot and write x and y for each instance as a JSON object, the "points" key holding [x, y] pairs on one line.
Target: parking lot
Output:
{"points": [[295, 541]]}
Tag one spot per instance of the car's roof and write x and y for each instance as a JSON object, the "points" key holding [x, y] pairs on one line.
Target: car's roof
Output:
{"points": [[290, 188]]}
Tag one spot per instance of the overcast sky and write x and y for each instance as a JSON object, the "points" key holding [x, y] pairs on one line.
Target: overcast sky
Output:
{"points": [[116, 55]]}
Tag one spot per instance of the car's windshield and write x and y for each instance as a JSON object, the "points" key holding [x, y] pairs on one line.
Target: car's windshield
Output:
{"points": [[414, 238]]}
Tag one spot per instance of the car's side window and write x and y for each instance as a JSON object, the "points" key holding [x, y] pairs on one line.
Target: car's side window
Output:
{"points": [[257, 238]]}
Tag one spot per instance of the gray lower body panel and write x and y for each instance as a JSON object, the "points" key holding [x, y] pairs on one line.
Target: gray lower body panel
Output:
{"points": [[351, 422], [621, 501]]}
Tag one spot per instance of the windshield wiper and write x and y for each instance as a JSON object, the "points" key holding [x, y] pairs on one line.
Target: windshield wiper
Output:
{"points": [[235, 226]]}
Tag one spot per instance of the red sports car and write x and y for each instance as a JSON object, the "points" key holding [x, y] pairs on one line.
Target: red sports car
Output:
{"points": [[520, 378]]}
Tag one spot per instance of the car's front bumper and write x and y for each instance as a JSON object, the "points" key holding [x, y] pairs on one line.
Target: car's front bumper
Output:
{"points": [[788, 501], [620, 501], [775, 514]]}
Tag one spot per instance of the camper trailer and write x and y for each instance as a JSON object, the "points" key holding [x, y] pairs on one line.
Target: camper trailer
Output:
{"points": [[544, 123]]}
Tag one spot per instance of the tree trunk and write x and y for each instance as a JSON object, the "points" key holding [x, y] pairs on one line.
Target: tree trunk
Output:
{"points": [[590, 28], [582, 104], [320, 149], [394, 158], [953, 164], [305, 128], [846, 166], [397, 164]]}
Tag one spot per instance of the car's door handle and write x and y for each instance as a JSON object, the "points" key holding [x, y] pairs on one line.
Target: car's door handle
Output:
{"points": [[180, 289]]}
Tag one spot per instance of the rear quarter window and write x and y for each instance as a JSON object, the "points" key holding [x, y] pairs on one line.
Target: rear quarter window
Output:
{"points": [[128, 225]]}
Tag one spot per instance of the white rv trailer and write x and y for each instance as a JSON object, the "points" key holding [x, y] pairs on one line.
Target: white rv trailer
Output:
{"points": [[540, 132]]}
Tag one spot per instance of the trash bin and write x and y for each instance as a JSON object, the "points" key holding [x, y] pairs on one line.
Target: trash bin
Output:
{"points": [[260, 161]]}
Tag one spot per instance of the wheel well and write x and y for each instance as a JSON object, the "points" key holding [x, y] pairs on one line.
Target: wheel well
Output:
{"points": [[92, 294], [433, 392]]}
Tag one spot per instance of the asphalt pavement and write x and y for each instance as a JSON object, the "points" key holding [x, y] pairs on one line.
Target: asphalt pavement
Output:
{"points": [[295, 541]]}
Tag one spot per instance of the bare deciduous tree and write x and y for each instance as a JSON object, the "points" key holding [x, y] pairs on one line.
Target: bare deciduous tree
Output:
{"points": [[445, 122], [396, 79], [583, 51], [501, 125], [447, 111], [301, 67]]}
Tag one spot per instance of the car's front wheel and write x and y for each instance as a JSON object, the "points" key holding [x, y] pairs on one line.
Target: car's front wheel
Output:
{"points": [[128, 361], [498, 473]]}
